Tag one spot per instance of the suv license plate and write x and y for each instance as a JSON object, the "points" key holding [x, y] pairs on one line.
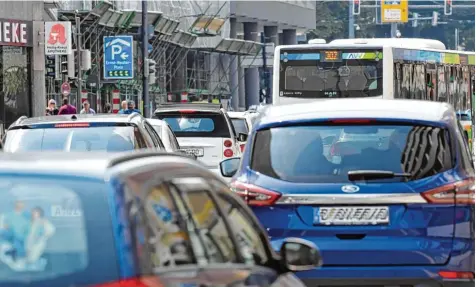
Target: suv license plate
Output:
{"points": [[355, 215], [198, 152]]}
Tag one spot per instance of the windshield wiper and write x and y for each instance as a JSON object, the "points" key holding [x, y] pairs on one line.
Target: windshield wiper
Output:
{"points": [[374, 174]]}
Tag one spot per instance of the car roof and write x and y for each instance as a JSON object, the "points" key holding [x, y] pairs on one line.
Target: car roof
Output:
{"points": [[360, 108], [116, 118], [157, 122], [94, 165]]}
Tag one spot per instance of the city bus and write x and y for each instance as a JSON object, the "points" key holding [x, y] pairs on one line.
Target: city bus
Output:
{"points": [[383, 68]]}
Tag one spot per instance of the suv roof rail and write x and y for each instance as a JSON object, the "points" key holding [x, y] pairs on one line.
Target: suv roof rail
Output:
{"points": [[140, 155], [189, 106]]}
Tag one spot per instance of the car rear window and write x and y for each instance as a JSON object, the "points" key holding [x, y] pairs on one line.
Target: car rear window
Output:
{"points": [[464, 117], [110, 138], [197, 124], [317, 154], [55, 232], [240, 126]]}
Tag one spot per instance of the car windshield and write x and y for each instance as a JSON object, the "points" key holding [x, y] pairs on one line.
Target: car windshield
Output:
{"points": [[331, 74], [314, 154], [102, 138], [54, 232], [240, 126], [197, 124]]}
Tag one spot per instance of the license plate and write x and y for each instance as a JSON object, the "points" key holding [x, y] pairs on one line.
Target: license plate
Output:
{"points": [[198, 152], [355, 215]]}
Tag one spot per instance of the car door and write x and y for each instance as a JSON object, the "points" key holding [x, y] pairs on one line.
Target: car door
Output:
{"points": [[253, 239], [173, 241]]}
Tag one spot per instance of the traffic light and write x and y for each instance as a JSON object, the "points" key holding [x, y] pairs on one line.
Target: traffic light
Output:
{"points": [[356, 7], [151, 64], [448, 7]]}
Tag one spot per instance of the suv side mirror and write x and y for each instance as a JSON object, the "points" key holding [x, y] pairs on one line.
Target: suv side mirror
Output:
{"points": [[242, 137], [229, 167], [299, 255]]}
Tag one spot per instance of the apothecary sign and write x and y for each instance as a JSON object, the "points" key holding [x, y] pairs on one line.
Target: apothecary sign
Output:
{"points": [[16, 33]]}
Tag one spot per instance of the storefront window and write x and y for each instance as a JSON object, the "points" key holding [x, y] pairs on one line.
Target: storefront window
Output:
{"points": [[14, 83]]}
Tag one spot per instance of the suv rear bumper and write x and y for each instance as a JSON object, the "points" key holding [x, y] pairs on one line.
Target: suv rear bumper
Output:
{"points": [[385, 282]]}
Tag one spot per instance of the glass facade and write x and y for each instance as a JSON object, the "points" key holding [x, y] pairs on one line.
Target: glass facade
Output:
{"points": [[15, 88]]}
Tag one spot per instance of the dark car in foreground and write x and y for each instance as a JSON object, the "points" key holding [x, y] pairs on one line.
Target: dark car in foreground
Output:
{"points": [[134, 219], [390, 203]]}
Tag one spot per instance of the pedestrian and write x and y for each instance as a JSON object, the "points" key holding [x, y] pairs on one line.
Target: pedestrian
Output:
{"points": [[87, 108], [123, 107], [131, 108], [66, 108], [52, 110]]}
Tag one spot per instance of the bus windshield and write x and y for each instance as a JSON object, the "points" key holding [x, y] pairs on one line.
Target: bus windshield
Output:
{"points": [[324, 73]]}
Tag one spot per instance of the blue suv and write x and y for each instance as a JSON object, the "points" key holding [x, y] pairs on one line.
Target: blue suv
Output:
{"points": [[384, 188]]}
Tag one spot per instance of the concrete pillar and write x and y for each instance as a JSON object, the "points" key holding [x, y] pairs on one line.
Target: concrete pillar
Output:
{"points": [[250, 30], [234, 74], [271, 36], [289, 37], [38, 89], [241, 87]]}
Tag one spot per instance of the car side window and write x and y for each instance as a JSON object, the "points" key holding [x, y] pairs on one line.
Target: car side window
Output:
{"points": [[213, 232], [468, 161], [230, 124], [139, 140], [251, 240], [173, 139], [154, 136]]}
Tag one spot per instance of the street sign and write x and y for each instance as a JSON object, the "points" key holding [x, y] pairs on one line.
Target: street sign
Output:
{"points": [[65, 89], [394, 11], [58, 38], [118, 58]]}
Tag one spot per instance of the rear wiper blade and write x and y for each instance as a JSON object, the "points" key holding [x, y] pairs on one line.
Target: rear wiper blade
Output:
{"points": [[374, 174]]}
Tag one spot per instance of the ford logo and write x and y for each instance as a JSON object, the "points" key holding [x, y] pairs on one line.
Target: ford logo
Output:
{"points": [[350, 188]]}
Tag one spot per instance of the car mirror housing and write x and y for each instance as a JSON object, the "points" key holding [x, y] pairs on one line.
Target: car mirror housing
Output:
{"points": [[299, 255], [229, 167]]}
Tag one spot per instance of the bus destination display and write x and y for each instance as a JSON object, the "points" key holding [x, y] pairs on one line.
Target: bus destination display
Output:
{"points": [[331, 56]]}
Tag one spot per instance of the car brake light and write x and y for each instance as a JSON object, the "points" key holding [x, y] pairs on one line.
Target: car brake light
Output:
{"points": [[255, 195], [150, 281], [72, 125], [461, 192], [352, 121], [242, 147], [227, 143], [228, 153], [456, 275]]}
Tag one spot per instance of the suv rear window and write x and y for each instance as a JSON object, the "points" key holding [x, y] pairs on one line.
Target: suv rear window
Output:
{"points": [[55, 232], [197, 124], [318, 154], [103, 137]]}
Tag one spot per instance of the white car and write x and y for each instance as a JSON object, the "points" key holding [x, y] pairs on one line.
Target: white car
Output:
{"points": [[242, 123], [166, 134], [204, 130]]}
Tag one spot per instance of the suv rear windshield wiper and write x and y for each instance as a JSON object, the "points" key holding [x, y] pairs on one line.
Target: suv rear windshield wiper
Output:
{"points": [[374, 174]]}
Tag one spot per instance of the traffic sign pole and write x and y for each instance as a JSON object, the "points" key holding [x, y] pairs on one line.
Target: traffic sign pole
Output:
{"points": [[145, 55], [78, 51]]}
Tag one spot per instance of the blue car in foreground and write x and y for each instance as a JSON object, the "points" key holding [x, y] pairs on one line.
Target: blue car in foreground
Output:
{"points": [[384, 188]]}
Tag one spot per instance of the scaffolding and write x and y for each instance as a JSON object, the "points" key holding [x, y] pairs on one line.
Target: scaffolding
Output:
{"points": [[189, 45]]}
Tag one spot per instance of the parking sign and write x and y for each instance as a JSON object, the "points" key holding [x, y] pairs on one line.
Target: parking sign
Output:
{"points": [[118, 58]]}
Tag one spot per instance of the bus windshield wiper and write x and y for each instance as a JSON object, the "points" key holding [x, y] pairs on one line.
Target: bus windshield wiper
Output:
{"points": [[374, 174]]}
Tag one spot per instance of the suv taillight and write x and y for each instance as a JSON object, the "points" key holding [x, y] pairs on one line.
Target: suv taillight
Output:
{"points": [[255, 195], [461, 192], [227, 143]]}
